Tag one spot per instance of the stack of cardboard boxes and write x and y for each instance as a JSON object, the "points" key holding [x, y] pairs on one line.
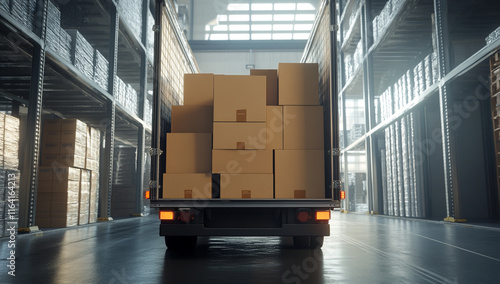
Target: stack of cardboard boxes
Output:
{"points": [[68, 179], [265, 145]]}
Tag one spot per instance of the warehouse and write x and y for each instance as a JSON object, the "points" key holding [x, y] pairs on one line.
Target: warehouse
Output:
{"points": [[285, 141]]}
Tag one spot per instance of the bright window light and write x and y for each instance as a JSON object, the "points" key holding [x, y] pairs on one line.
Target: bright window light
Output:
{"points": [[304, 17], [261, 18], [239, 18], [262, 7], [284, 17], [302, 27], [239, 27], [261, 36], [220, 28], [207, 28], [219, 37], [305, 7], [300, 36], [238, 7], [283, 27], [284, 6], [282, 36], [222, 18], [262, 27], [239, 36], [207, 37]]}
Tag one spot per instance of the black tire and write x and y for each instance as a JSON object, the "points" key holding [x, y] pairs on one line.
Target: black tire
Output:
{"points": [[181, 242], [317, 242], [301, 242]]}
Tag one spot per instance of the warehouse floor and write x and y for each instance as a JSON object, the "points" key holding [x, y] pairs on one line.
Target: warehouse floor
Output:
{"points": [[361, 249]]}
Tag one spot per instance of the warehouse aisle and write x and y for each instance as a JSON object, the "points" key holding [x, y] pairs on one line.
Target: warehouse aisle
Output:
{"points": [[362, 249]]}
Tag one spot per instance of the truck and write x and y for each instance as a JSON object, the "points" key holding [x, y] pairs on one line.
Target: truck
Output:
{"points": [[182, 221]]}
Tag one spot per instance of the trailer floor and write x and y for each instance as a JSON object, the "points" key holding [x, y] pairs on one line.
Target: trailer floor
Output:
{"points": [[361, 249]]}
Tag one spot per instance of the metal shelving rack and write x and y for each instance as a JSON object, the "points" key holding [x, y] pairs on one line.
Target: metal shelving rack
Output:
{"points": [[455, 33], [35, 78]]}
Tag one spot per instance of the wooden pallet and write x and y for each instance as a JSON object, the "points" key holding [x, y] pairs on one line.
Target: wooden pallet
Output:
{"points": [[495, 60]]}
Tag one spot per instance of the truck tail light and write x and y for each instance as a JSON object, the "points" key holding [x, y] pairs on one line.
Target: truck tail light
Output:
{"points": [[147, 194], [303, 216], [342, 195], [323, 215], [167, 215], [186, 216]]}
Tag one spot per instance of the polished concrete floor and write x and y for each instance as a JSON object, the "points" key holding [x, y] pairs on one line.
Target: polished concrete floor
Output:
{"points": [[361, 249]]}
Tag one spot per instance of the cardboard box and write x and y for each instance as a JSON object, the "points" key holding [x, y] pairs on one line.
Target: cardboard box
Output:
{"points": [[44, 186], [71, 136], [196, 186], [303, 129], [242, 161], [239, 136], [50, 160], [246, 186], [51, 136], [51, 148], [72, 161], [63, 222], [43, 222], [83, 219], [43, 208], [65, 186], [198, 89], [189, 153], [299, 174], [274, 126], [192, 119], [271, 84], [298, 84], [73, 125], [72, 148], [66, 173], [52, 125], [45, 173], [62, 209], [239, 98]]}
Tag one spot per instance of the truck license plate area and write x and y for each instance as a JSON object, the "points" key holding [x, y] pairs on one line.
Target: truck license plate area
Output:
{"points": [[242, 218]]}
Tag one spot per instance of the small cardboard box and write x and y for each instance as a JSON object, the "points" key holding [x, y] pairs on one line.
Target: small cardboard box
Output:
{"points": [[45, 174], [271, 84], [191, 186], [66, 173], [242, 161], [51, 136], [239, 98], [246, 186], [72, 148], [76, 161], [274, 125], [303, 129], [71, 136], [299, 174], [50, 160], [51, 148], [189, 153], [198, 89], [298, 84], [52, 125], [192, 119], [239, 136], [73, 125]]}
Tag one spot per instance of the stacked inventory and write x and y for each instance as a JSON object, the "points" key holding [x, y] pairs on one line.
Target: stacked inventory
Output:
{"points": [[131, 11], [57, 39], [4, 5], [495, 107], [68, 180], [189, 146], [101, 70], [83, 53], [9, 142], [382, 21], [299, 167], [126, 95]]}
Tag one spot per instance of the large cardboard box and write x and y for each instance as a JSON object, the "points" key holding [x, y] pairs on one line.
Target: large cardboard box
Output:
{"points": [[271, 84], [66, 173], [51, 136], [50, 160], [52, 125], [242, 161], [192, 119], [303, 129], [299, 174], [76, 161], [298, 84], [51, 148], [189, 153], [72, 148], [239, 98], [198, 89], [274, 125], [195, 186], [239, 136], [73, 125], [246, 186], [71, 136]]}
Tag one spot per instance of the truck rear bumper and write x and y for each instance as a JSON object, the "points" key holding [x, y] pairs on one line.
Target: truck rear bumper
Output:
{"points": [[285, 230]]}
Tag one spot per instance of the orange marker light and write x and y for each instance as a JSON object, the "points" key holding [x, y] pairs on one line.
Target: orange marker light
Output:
{"points": [[322, 215], [166, 215], [147, 194], [342, 195]]}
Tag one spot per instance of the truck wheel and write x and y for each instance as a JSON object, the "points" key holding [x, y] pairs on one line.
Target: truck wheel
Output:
{"points": [[181, 242], [301, 242], [317, 242]]}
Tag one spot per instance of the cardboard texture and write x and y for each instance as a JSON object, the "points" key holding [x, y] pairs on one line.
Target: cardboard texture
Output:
{"points": [[242, 161], [239, 136], [192, 119], [274, 126], [246, 186], [303, 129], [52, 125], [73, 125], [298, 84], [196, 186], [198, 89], [239, 98], [51, 136], [299, 174], [271, 84], [189, 153]]}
